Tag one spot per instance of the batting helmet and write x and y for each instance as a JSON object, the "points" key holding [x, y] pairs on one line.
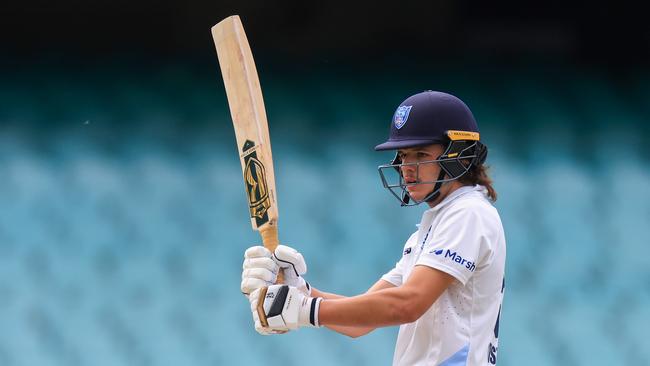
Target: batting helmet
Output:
{"points": [[433, 117]]}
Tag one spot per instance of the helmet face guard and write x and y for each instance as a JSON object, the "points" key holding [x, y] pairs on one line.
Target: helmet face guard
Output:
{"points": [[457, 159]]}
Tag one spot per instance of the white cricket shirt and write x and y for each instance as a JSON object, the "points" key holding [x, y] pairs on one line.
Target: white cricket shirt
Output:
{"points": [[463, 237]]}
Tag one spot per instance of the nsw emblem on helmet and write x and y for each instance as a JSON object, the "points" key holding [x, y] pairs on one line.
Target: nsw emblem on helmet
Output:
{"points": [[401, 115]]}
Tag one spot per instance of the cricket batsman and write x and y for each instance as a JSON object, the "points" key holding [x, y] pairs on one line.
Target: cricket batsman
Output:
{"points": [[446, 290]]}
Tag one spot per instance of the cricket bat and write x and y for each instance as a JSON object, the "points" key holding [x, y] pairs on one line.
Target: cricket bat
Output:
{"points": [[251, 127]]}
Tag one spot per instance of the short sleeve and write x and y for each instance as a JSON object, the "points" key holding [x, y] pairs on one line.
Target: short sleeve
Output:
{"points": [[395, 275], [456, 243]]}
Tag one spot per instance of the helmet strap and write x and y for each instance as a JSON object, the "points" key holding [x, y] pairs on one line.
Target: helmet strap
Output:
{"points": [[436, 189]]}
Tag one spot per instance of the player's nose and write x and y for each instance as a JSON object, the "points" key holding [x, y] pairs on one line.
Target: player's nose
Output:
{"points": [[408, 171]]}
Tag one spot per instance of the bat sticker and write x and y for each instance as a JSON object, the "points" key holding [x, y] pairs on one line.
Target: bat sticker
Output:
{"points": [[256, 187]]}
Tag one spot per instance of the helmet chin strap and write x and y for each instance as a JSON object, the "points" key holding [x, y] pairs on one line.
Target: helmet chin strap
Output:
{"points": [[436, 189]]}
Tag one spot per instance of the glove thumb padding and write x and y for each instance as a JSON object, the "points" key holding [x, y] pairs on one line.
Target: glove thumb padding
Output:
{"points": [[289, 258]]}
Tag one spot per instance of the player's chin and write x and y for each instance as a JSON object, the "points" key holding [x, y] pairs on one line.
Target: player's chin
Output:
{"points": [[420, 191], [416, 193]]}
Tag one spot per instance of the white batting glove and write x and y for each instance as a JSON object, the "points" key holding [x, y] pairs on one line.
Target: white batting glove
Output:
{"points": [[259, 269], [293, 266], [284, 308]]}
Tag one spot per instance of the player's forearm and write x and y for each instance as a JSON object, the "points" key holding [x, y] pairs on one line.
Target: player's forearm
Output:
{"points": [[325, 295], [387, 307], [353, 332]]}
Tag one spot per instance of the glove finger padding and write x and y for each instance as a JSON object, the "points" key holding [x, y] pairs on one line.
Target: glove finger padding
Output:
{"points": [[259, 269], [254, 278], [265, 263], [257, 251], [259, 273], [287, 257], [248, 285]]}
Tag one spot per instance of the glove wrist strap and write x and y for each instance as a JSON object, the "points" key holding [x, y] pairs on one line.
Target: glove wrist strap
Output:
{"points": [[309, 312], [313, 313]]}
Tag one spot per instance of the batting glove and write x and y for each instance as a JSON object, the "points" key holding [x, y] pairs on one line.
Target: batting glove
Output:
{"points": [[280, 308], [293, 266], [259, 269]]}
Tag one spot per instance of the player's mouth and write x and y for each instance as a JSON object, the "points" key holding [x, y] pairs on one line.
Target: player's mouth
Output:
{"points": [[409, 180], [411, 184]]}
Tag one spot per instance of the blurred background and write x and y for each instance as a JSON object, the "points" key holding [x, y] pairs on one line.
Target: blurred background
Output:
{"points": [[123, 218]]}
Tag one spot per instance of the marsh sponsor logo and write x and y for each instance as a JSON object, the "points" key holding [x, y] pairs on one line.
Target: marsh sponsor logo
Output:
{"points": [[454, 256]]}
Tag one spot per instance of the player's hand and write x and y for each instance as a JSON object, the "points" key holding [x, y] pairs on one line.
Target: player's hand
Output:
{"points": [[259, 269], [293, 266], [283, 308]]}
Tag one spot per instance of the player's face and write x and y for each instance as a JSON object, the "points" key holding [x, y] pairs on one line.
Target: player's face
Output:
{"points": [[415, 175]]}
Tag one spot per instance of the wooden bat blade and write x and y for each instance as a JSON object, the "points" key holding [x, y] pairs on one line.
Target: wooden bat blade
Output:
{"points": [[251, 127]]}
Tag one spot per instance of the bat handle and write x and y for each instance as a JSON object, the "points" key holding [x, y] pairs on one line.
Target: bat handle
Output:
{"points": [[271, 241]]}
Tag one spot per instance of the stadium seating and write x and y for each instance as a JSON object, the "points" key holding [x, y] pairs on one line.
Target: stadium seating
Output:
{"points": [[123, 221]]}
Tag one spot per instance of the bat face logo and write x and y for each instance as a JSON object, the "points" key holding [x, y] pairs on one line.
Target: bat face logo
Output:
{"points": [[256, 188], [256, 181]]}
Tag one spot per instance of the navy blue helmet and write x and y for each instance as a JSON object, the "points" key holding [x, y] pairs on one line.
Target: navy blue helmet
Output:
{"points": [[427, 118]]}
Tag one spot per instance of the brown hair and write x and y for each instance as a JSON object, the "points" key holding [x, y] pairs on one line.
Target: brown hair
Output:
{"points": [[478, 175]]}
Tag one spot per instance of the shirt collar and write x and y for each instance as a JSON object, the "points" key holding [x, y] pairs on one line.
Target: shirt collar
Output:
{"points": [[455, 194]]}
